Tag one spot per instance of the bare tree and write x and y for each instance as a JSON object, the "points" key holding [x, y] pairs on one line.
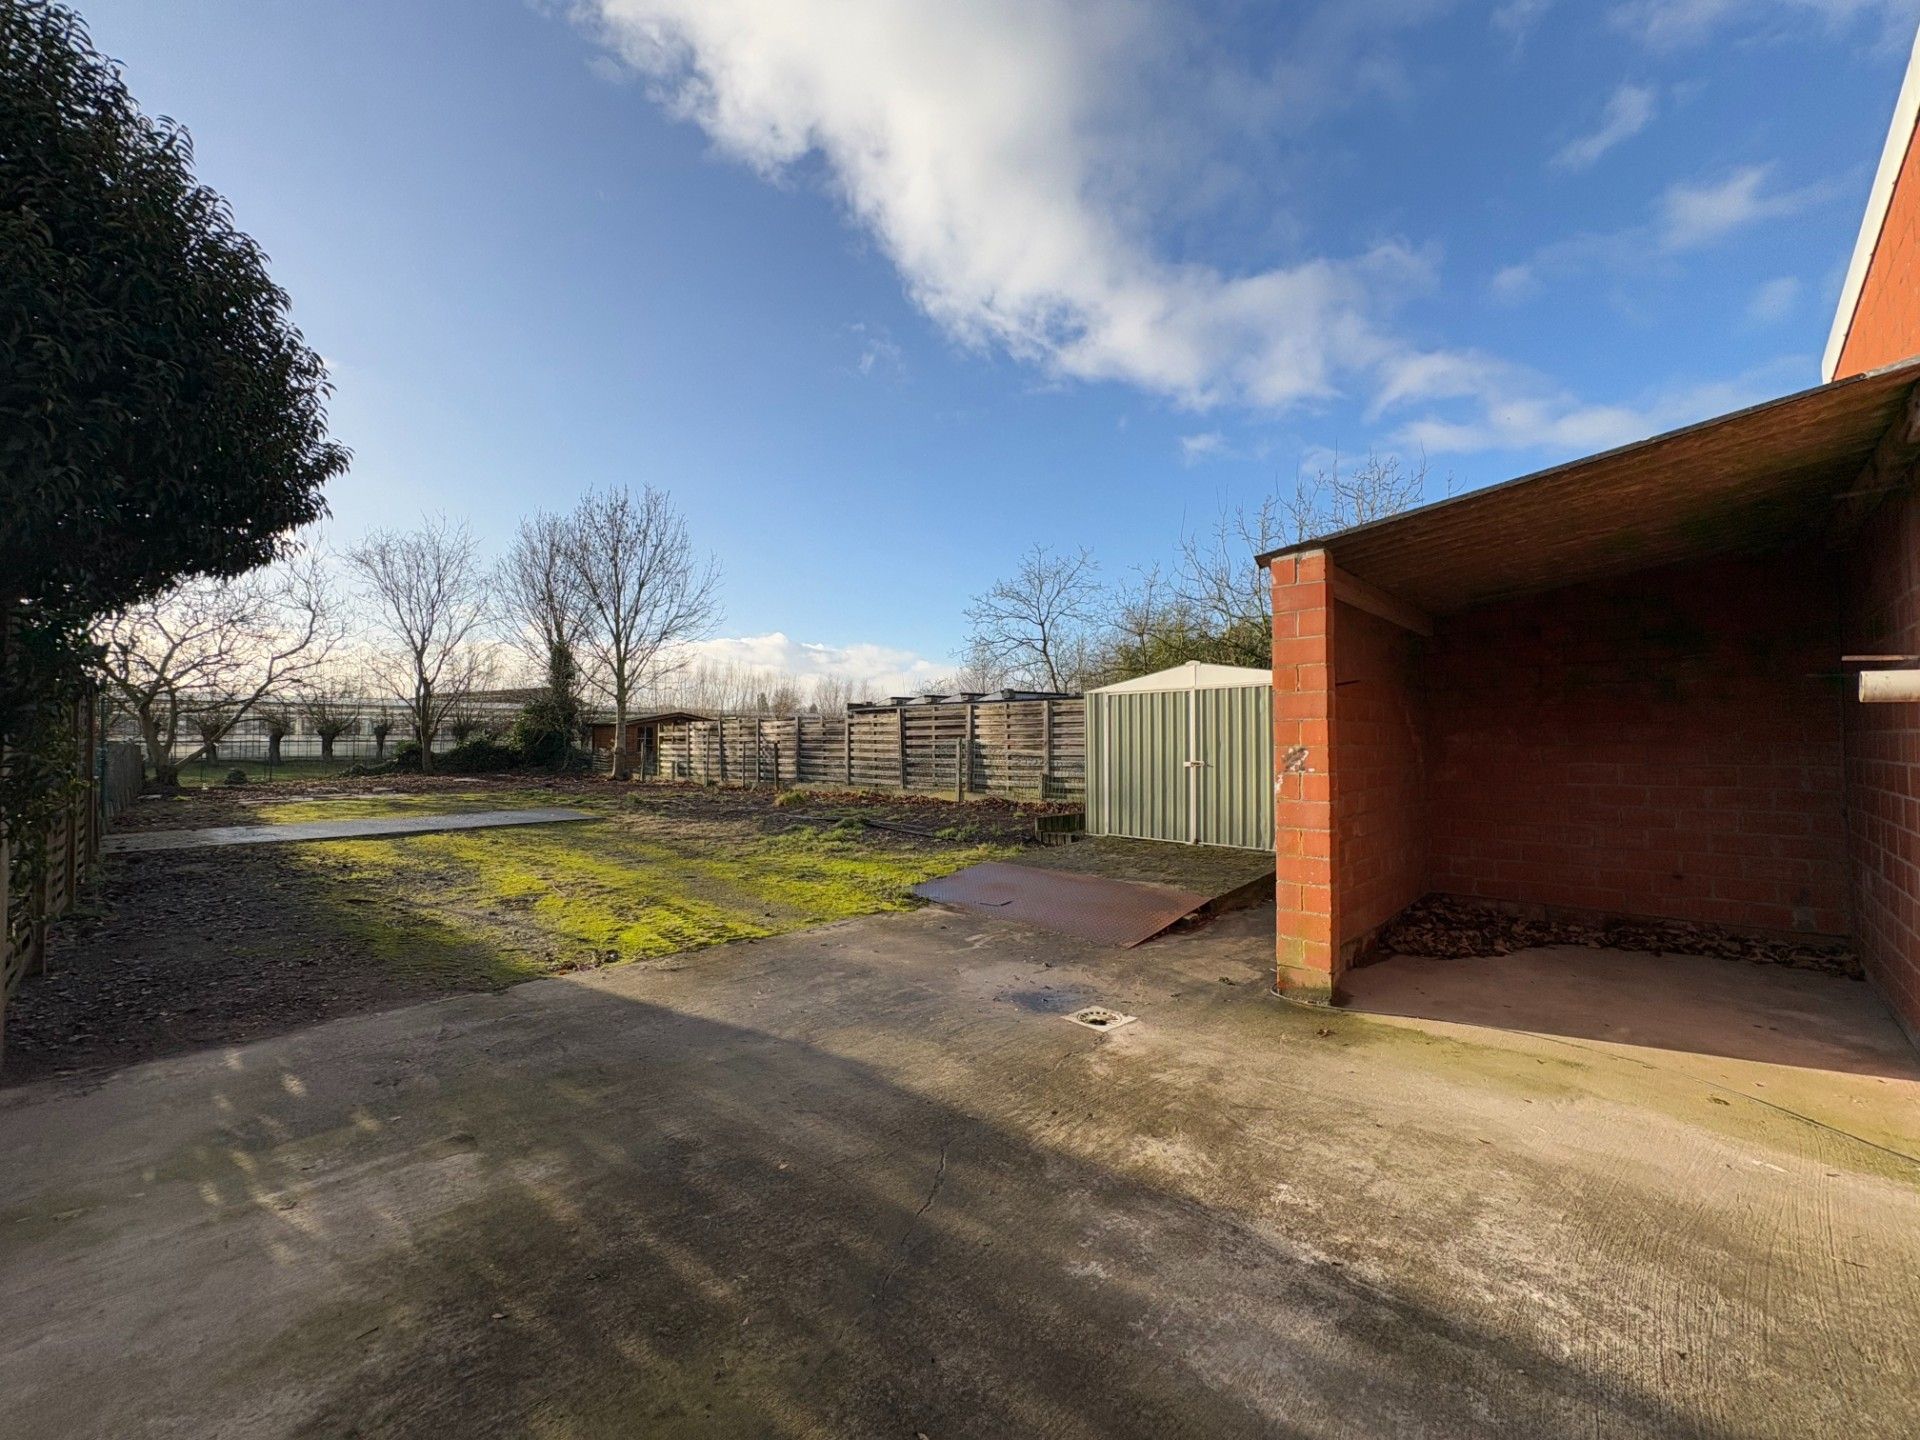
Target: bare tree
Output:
{"points": [[538, 591], [1036, 623], [212, 719], [216, 648], [329, 713], [979, 672], [831, 694], [1223, 600], [427, 594], [646, 594], [1333, 499], [277, 719]]}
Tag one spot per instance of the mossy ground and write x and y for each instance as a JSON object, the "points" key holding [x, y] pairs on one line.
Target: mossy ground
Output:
{"points": [[498, 906]]}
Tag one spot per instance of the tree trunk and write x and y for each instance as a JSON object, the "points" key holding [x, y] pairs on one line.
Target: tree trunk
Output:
{"points": [[166, 770], [620, 767], [423, 725], [380, 746], [273, 749], [326, 747]]}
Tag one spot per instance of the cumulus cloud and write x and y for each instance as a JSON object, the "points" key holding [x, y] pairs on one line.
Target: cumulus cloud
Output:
{"points": [[1021, 163], [1630, 109], [869, 669], [990, 149]]}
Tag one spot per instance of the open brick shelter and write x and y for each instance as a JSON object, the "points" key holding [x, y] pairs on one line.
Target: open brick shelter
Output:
{"points": [[1626, 687], [1617, 688]]}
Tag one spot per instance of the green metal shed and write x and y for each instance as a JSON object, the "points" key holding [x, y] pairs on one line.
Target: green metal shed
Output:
{"points": [[1184, 755]]}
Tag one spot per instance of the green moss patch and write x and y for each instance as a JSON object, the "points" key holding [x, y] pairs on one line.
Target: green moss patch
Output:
{"points": [[498, 906]]}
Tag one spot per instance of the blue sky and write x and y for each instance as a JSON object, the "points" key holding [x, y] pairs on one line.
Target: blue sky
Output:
{"points": [[886, 290]]}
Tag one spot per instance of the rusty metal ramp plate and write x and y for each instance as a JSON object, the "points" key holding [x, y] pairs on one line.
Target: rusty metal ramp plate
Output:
{"points": [[1108, 912]]}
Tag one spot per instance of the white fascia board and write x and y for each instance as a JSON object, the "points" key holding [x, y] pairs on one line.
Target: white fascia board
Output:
{"points": [[1906, 112]]}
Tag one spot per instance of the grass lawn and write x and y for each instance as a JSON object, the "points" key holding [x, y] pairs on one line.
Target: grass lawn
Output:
{"points": [[498, 906], [300, 768], [181, 949]]}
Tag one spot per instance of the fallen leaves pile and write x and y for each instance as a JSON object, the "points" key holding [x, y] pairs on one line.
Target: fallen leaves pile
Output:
{"points": [[1442, 927]]}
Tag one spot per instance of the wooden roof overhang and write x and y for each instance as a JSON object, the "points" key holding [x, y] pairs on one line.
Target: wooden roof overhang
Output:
{"points": [[1802, 468]]}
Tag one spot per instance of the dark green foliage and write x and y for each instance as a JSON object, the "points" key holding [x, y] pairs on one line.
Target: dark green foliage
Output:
{"points": [[475, 757], [159, 415], [545, 728]]}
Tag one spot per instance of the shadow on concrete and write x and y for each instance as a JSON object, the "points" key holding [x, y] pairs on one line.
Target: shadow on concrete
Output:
{"points": [[1691, 1003], [581, 1214]]}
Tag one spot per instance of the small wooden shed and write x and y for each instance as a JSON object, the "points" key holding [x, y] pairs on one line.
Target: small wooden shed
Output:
{"points": [[643, 736]]}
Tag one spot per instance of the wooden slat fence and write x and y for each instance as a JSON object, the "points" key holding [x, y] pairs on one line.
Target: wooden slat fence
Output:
{"points": [[28, 905], [1017, 749]]}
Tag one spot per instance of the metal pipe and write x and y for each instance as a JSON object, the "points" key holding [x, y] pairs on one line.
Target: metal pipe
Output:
{"points": [[1889, 687]]}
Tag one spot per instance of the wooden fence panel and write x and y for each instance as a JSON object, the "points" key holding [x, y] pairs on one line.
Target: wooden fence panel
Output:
{"points": [[29, 905], [1021, 749]]}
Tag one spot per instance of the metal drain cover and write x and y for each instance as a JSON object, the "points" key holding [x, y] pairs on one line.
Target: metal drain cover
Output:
{"points": [[1098, 1017]]}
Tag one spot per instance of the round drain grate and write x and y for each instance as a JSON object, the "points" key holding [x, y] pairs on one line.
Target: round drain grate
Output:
{"points": [[1098, 1017]]}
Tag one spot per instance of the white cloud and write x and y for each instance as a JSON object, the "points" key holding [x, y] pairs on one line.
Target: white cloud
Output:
{"points": [[878, 354], [870, 669], [1516, 19], [1692, 215], [1004, 155], [1530, 415], [1774, 300], [1018, 161], [1630, 109], [1208, 445], [1689, 216], [1675, 24], [1514, 283]]}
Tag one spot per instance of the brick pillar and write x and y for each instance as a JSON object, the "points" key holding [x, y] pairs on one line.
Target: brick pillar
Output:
{"points": [[1303, 776]]}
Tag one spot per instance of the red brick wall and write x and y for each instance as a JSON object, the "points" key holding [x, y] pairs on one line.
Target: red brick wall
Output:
{"points": [[1379, 757], [1657, 746], [1883, 758], [1886, 321], [1303, 783]]}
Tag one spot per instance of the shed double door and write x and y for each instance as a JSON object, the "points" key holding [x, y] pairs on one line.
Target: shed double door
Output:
{"points": [[1189, 766]]}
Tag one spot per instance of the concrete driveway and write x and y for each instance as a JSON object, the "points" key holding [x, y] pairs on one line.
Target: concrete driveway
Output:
{"points": [[867, 1181]]}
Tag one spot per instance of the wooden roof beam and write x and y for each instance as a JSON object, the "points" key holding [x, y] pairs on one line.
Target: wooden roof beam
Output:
{"points": [[1362, 596], [1890, 469]]}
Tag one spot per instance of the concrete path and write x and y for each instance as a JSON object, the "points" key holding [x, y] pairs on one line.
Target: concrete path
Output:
{"points": [[219, 835], [869, 1181]]}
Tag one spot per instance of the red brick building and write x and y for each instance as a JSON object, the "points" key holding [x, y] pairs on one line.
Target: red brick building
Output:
{"points": [[1622, 686], [1878, 321]]}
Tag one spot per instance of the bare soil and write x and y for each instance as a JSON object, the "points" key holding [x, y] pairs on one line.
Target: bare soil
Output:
{"points": [[176, 951]]}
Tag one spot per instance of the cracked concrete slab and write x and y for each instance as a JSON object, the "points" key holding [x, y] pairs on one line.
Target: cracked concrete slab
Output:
{"points": [[861, 1181]]}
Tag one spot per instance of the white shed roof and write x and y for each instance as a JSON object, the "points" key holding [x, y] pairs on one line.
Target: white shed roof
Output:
{"points": [[1192, 676]]}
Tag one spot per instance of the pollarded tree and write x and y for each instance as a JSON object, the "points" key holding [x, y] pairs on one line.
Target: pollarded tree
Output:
{"points": [[277, 719], [232, 643], [427, 594], [329, 715], [161, 415], [212, 720], [646, 591]]}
